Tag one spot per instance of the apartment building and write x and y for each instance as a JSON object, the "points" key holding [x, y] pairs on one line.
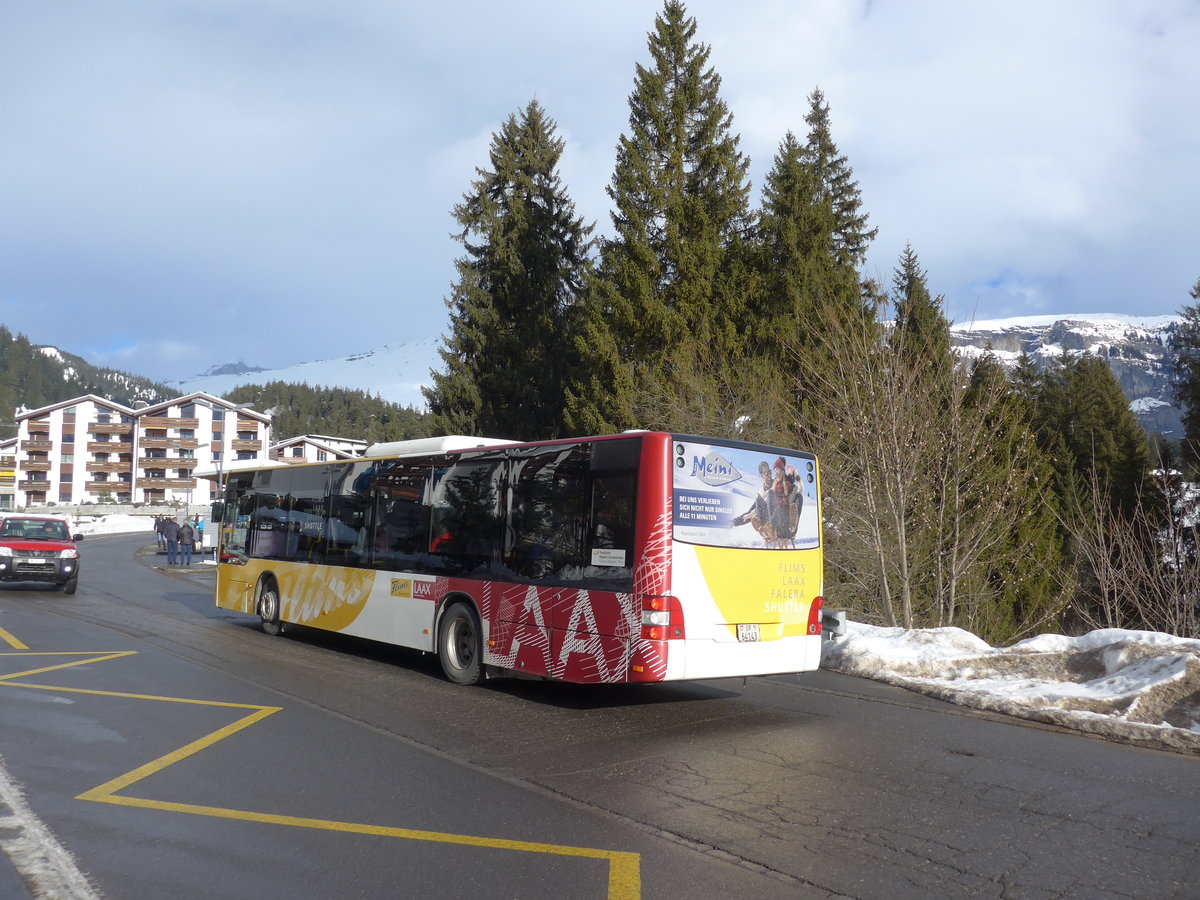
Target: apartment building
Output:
{"points": [[90, 449], [317, 448]]}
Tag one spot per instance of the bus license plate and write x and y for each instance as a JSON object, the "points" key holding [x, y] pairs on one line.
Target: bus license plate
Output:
{"points": [[748, 633]]}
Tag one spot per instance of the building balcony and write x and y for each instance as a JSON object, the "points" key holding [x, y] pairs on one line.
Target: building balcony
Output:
{"points": [[35, 465], [153, 484], [32, 485], [167, 462], [167, 422], [111, 428], [107, 466], [168, 443], [45, 445], [247, 445], [109, 447], [111, 487], [7, 480]]}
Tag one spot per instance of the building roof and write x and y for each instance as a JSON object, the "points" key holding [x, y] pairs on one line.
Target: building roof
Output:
{"points": [[75, 401]]}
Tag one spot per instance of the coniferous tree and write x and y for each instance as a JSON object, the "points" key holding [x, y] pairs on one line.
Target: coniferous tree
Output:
{"points": [[921, 326], [1186, 348], [668, 282], [1103, 435], [513, 309], [798, 272], [835, 180]]}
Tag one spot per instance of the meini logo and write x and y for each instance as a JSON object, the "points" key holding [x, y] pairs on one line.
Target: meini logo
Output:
{"points": [[714, 469]]}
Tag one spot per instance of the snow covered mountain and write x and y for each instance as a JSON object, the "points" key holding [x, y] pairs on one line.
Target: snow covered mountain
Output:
{"points": [[395, 373], [1137, 349]]}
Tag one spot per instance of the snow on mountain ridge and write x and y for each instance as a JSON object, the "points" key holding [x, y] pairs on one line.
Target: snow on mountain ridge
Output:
{"points": [[1136, 348], [395, 372]]}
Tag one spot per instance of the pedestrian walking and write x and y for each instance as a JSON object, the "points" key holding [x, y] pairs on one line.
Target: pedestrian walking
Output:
{"points": [[158, 532], [187, 541], [170, 531]]}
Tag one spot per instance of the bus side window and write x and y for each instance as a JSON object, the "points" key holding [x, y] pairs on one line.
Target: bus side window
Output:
{"points": [[400, 526], [466, 524], [611, 529], [547, 514]]}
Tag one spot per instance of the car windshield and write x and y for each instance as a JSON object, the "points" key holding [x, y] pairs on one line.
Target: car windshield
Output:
{"points": [[34, 528]]}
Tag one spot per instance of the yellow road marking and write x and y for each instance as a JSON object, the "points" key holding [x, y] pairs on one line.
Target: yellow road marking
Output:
{"points": [[11, 641], [624, 868]]}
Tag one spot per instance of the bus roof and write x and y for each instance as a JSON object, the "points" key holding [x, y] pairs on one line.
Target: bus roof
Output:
{"points": [[423, 446]]}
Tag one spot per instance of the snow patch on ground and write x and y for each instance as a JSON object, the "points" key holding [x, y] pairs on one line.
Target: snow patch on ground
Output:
{"points": [[47, 867], [1135, 686]]}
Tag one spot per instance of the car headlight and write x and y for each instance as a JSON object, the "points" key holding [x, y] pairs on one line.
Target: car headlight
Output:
{"points": [[6, 551], [71, 553]]}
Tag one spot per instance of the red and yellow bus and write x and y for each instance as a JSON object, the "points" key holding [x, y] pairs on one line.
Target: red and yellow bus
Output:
{"points": [[637, 557]]}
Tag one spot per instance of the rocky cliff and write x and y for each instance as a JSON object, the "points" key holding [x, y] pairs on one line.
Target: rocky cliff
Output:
{"points": [[1137, 348]]}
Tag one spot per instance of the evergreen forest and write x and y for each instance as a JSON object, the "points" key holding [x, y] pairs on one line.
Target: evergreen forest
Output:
{"points": [[32, 379], [955, 493]]}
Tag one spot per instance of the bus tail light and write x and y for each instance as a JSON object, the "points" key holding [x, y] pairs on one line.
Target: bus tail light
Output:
{"points": [[662, 619], [814, 615]]}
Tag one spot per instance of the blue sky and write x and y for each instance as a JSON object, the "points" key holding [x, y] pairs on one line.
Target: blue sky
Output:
{"points": [[190, 182]]}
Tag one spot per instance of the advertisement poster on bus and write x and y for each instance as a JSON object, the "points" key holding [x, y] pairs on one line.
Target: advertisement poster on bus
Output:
{"points": [[744, 497]]}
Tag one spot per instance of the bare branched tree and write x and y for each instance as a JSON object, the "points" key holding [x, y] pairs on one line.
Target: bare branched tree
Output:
{"points": [[929, 481]]}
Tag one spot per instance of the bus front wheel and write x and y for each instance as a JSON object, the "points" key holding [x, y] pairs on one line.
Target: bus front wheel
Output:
{"points": [[268, 610], [460, 645]]}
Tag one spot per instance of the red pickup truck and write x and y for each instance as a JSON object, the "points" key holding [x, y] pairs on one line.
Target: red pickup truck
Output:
{"points": [[39, 548]]}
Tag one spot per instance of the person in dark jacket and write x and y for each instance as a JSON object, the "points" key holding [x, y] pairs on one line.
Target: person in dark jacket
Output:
{"points": [[187, 541], [170, 532]]}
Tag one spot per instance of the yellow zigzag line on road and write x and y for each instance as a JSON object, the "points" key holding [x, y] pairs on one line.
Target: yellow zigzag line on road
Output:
{"points": [[624, 875]]}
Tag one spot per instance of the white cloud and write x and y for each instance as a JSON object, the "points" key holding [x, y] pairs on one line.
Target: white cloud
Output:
{"points": [[297, 157]]}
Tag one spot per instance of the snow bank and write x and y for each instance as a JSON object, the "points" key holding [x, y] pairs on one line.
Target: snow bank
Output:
{"points": [[1137, 686], [114, 524]]}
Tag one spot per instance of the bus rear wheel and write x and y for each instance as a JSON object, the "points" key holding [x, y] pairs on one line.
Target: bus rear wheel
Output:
{"points": [[268, 610], [460, 645]]}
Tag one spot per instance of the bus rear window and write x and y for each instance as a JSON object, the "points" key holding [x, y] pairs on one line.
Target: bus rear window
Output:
{"points": [[744, 497]]}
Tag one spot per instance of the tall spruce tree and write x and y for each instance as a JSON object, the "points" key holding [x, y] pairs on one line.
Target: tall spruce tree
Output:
{"points": [[667, 280], [1186, 348], [835, 179], [798, 272], [1103, 435], [921, 326], [514, 306]]}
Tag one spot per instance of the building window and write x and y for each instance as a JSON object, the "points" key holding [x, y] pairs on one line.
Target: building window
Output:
{"points": [[321, 454], [297, 451]]}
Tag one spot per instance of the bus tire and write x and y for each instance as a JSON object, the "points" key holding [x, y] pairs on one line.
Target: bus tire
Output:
{"points": [[460, 644], [268, 609]]}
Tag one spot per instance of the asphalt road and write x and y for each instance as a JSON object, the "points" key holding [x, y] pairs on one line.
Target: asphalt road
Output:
{"points": [[177, 751]]}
